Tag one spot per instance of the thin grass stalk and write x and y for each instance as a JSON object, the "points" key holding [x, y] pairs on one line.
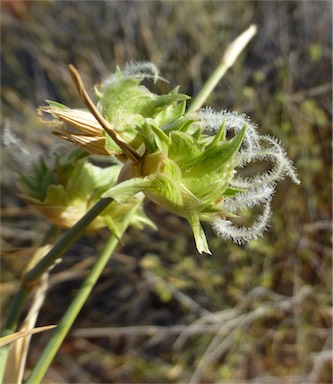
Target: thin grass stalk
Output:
{"points": [[68, 239], [17, 304], [75, 307], [18, 352], [30, 279], [228, 59]]}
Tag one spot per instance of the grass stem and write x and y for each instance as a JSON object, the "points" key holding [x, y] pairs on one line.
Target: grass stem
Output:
{"points": [[30, 279], [73, 310], [228, 59], [68, 239]]}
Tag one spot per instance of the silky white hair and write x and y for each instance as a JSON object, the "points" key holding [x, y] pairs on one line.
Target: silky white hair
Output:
{"points": [[255, 190]]}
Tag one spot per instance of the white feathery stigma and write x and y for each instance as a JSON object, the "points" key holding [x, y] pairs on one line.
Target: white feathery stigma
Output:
{"points": [[255, 190], [137, 70], [227, 230]]}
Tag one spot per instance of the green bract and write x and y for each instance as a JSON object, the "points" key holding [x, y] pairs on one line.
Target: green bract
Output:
{"points": [[126, 105], [66, 189], [187, 173]]}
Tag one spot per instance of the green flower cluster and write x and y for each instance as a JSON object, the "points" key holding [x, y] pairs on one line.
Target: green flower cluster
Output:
{"points": [[184, 162], [182, 170], [63, 189]]}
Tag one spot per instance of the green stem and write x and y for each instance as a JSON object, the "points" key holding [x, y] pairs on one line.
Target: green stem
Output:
{"points": [[228, 59], [31, 277], [65, 242], [73, 310], [14, 313], [208, 88]]}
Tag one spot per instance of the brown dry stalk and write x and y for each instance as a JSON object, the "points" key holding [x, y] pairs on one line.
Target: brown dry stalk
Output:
{"points": [[129, 151]]}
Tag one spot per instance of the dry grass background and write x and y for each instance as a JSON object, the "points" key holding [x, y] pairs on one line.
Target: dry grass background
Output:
{"points": [[263, 311]]}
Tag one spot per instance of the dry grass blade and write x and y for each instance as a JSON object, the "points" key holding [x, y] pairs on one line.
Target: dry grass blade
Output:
{"points": [[23, 333], [18, 352], [130, 152]]}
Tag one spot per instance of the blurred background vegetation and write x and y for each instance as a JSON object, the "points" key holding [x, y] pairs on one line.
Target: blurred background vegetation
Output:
{"points": [[263, 311]]}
